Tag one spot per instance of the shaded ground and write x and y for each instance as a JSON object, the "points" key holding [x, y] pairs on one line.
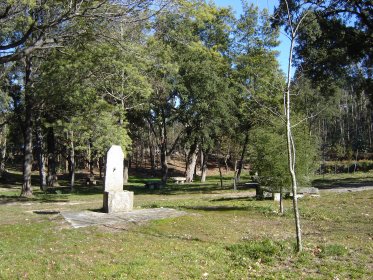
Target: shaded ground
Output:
{"points": [[344, 182]]}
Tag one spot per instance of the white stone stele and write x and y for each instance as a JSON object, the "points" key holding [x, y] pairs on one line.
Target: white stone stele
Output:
{"points": [[115, 199], [114, 169]]}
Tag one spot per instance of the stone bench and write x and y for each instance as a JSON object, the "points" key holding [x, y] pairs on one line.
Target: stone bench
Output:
{"points": [[90, 180], [178, 180]]}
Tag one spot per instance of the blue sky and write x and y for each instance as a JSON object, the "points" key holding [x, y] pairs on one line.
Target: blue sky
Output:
{"points": [[283, 48]]}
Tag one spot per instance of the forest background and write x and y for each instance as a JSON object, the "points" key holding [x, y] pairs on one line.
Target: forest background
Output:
{"points": [[183, 79]]}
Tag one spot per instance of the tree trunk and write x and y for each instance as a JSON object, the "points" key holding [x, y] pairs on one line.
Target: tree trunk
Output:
{"points": [[72, 161], [220, 173], [152, 160], [90, 158], [51, 146], [39, 145], [101, 166], [240, 165], [204, 158], [125, 171], [163, 147], [281, 202], [191, 162], [28, 159], [27, 133], [164, 164], [235, 176], [291, 151], [3, 144], [151, 154]]}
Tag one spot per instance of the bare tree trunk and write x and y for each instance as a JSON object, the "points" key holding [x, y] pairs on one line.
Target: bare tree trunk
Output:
{"points": [[235, 176], [163, 148], [101, 166], [142, 148], [204, 159], [164, 164], [151, 154], [125, 171], [28, 159], [244, 148], [39, 145], [27, 132], [72, 161], [281, 202], [191, 162], [220, 173], [3, 144], [292, 152], [90, 158], [356, 158], [51, 146]]}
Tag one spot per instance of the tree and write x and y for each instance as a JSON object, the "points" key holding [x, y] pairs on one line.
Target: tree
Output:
{"points": [[32, 26], [257, 74], [333, 52], [32, 29], [162, 110], [204, 79], [292, 21], [269, 156]]}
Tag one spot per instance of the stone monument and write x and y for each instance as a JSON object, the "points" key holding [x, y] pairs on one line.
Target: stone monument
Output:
{"points": [[115, 199]]}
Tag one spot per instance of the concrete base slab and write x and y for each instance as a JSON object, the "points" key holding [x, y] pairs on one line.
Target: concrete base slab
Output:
{"points": [[118, 201], [90, 218]]}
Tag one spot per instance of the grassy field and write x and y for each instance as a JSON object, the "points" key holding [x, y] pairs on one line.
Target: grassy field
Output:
{"points": [[225, 235]]}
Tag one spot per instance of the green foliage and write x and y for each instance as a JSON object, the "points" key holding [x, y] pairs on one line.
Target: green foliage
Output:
{"points": [[346, 166], [264, 251], [99, 127], [332, 250], [268, 152], [333, 56]]}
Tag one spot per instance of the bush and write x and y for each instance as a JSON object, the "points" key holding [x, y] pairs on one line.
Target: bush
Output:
{"points": [[270, 159], [331, 167], [264, 250], [333, 250]]}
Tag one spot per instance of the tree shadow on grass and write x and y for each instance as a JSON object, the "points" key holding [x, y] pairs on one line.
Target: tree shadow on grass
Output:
{"points": [[216, 208], [6, 199], [175, 189], [11, 180], [241, 198], [219, 208], [343, 183]]}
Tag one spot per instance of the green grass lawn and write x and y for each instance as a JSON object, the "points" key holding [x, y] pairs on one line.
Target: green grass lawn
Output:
{"points": [[225, 235]]}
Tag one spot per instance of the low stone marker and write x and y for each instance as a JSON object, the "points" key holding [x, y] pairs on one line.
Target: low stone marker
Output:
{"points": [[276, 196], [115, 199]]}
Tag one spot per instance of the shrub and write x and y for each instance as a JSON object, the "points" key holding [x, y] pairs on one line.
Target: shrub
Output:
{"points": [[264, 250], [333, 250]]}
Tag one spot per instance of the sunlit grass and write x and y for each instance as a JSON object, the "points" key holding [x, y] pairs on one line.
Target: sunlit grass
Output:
{"points": [[226, 235]]}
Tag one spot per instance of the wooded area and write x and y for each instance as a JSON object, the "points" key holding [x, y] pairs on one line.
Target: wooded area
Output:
{"points": [[181, 78]]}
